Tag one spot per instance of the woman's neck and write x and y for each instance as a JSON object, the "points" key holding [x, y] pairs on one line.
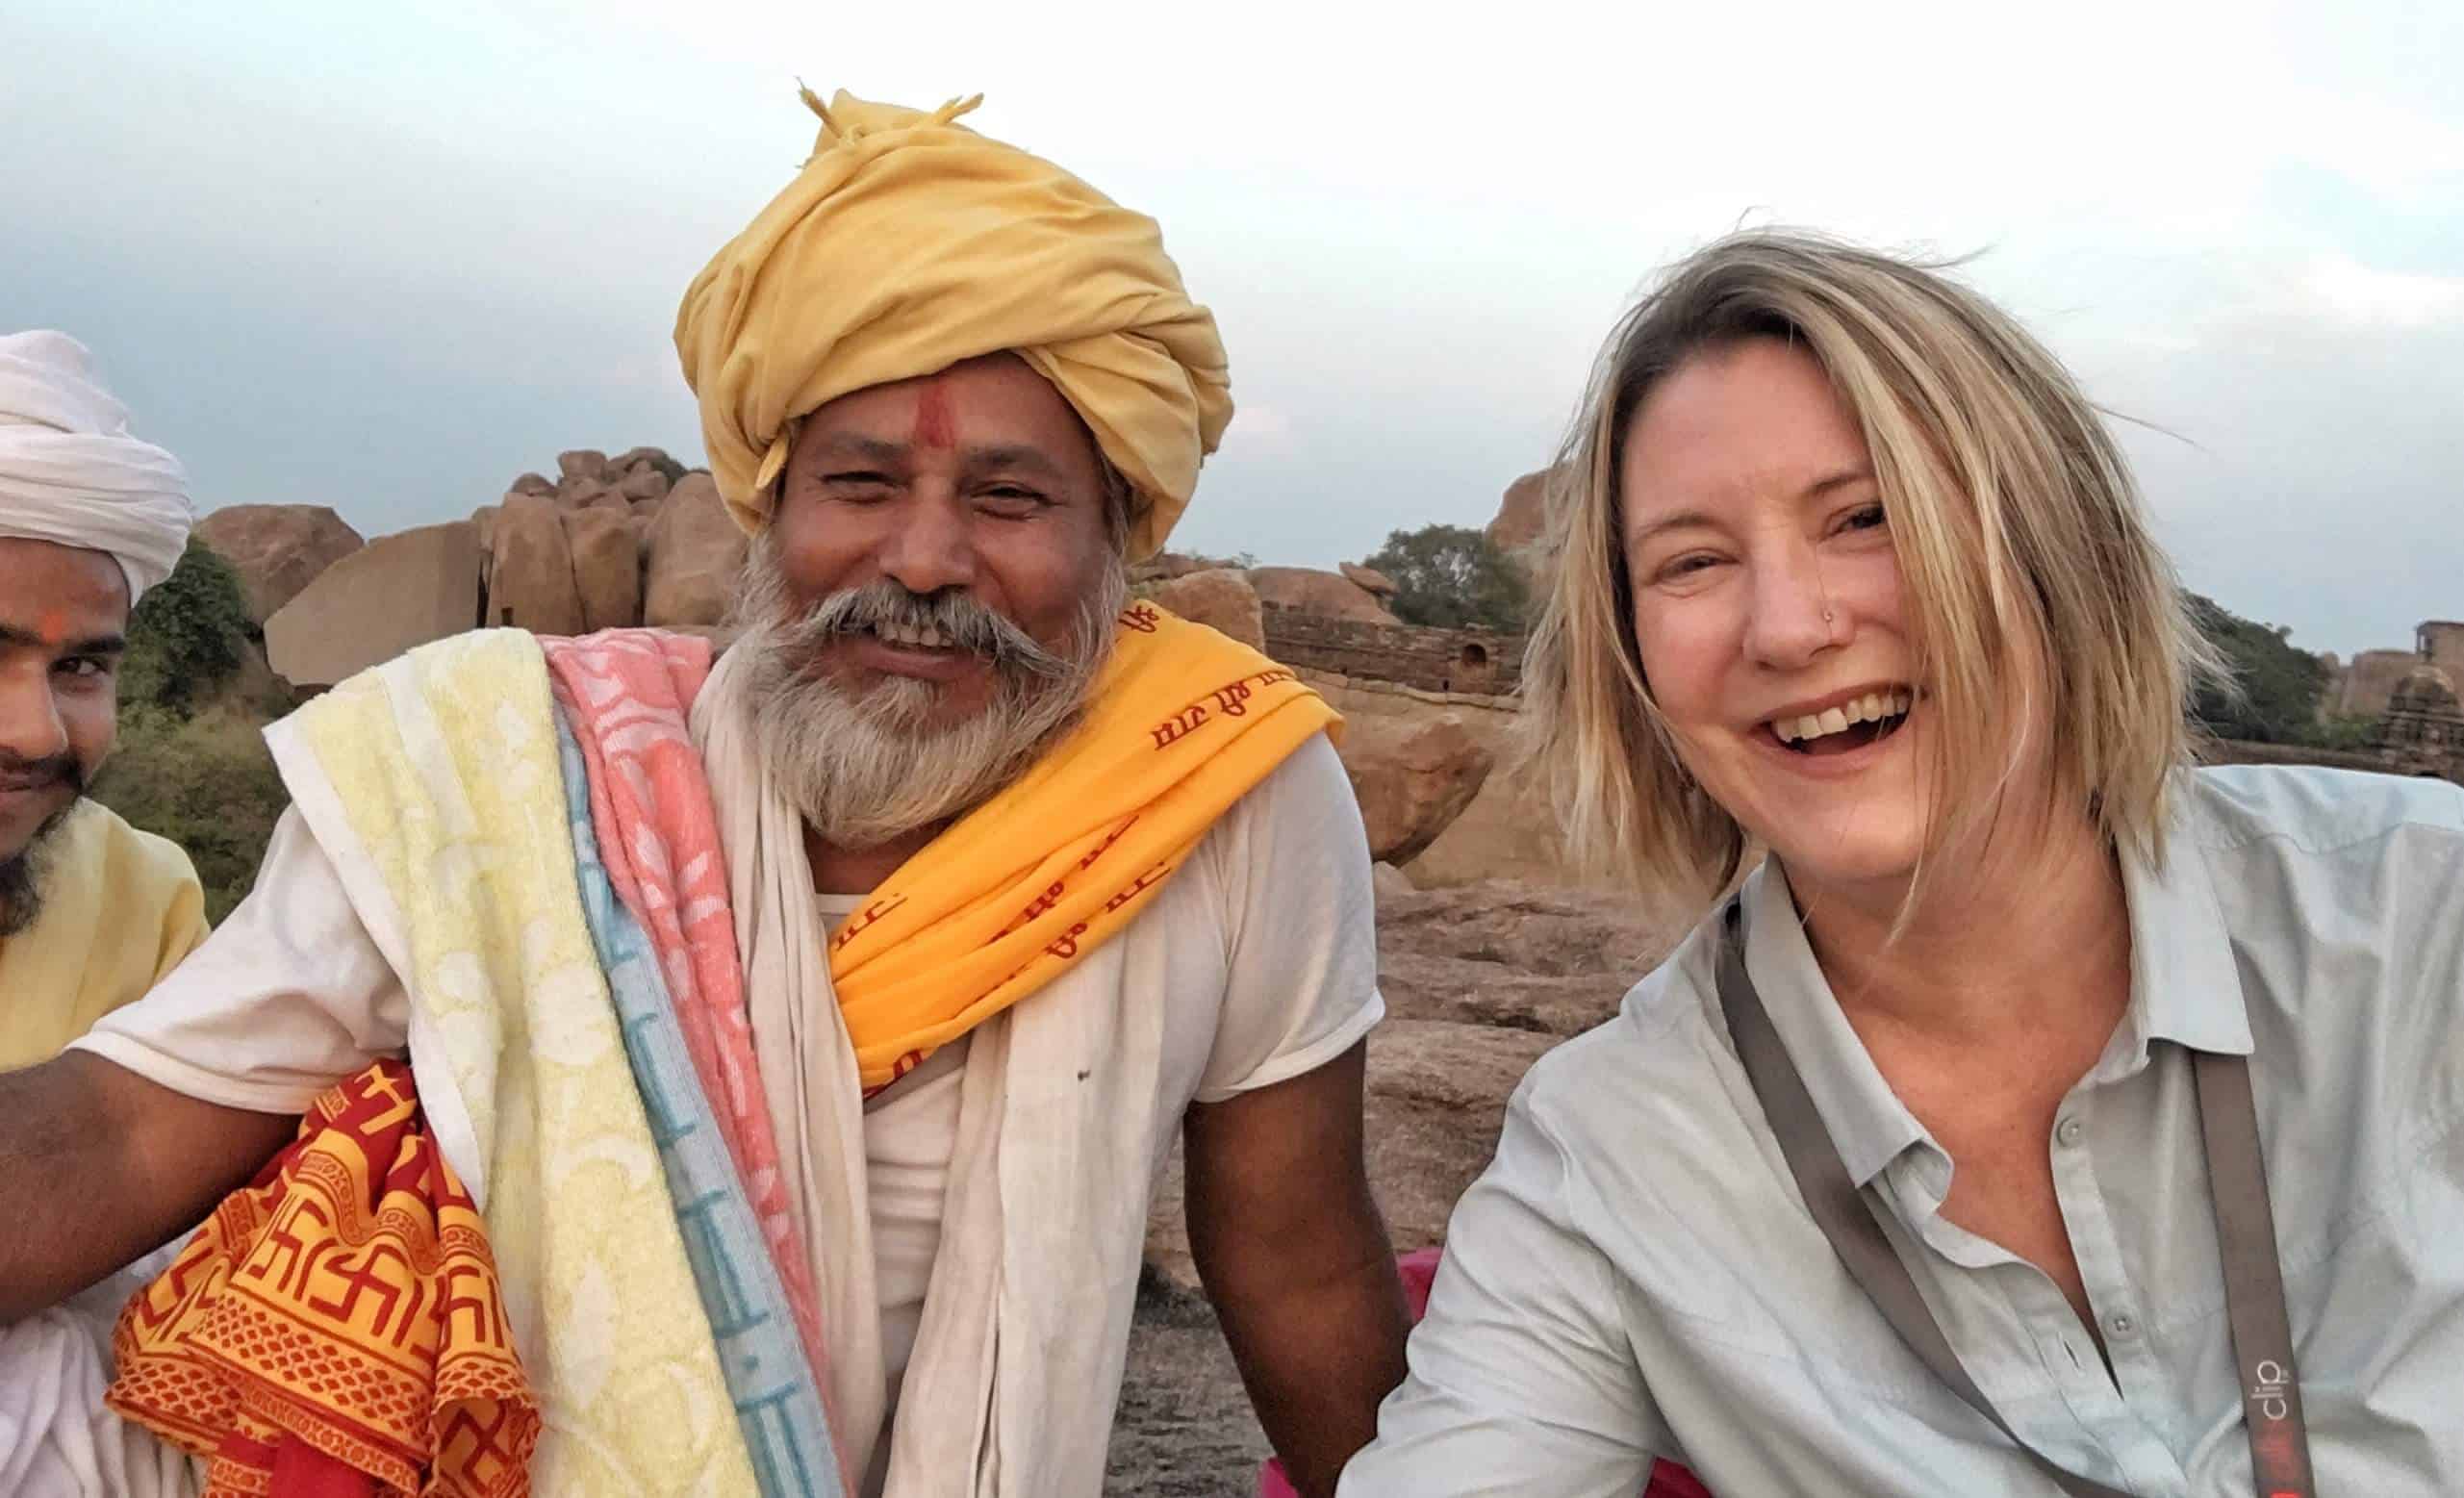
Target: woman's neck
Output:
{"points": [[2026, 935]]}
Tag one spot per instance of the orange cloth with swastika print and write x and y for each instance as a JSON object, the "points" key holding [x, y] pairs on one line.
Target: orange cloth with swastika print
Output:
{"points": [[337, 1325], [1182, 723]]}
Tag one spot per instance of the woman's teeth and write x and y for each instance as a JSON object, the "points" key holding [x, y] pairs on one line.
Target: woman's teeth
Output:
{"points": [[1872, 707]]}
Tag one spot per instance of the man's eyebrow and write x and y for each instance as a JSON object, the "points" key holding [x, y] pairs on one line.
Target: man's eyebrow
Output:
{"points": [[14, 638], [876, 450], [983, 457], [1015, 456]]}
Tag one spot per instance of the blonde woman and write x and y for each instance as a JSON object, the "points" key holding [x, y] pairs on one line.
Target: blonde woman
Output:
{"points": [[2044, 1116]]}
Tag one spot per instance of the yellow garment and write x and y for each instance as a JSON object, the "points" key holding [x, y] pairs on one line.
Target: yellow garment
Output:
{"points": [[434, 783], [907, 243], [121, 909], [1183, 723]]}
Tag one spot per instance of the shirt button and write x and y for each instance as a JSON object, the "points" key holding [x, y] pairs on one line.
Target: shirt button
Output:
{"points": [[2121, 1324], [2068, 1133]]}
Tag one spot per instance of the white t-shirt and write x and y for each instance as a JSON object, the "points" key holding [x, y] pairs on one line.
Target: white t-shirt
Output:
{"points": [[910, 1131], [1261, 950]]}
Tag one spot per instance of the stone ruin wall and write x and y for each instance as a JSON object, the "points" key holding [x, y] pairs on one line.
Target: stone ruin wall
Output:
{"points": [[2441, 643], [1467, 662], [2362, 687]]}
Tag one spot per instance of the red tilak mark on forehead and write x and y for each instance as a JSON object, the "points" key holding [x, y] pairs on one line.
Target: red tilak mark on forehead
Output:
{"points": [[934, 424]]}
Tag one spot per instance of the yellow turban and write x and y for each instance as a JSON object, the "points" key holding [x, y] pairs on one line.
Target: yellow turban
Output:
{"points": [[909, 243]]}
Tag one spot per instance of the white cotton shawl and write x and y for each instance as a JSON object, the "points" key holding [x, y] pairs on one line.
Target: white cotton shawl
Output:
{"points": [[1017, 1362], [58, 1439], [69, 471]]}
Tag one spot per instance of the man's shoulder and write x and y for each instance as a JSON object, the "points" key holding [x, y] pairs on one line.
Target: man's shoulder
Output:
{"points": [[1306, 800], [125, 891], [130, 858]]}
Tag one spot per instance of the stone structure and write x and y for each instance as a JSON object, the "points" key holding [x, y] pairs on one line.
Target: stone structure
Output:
{"points": [[2361, 689], [530, 568], [1480, 662], [2424, 729], [277, 549], [2367, 686], [2441, 643], [1376, 584], [1312, 590], [1413, 777], [1219, 597], [695, 551], [395, 593], [2413, 696], [1523, 513]]}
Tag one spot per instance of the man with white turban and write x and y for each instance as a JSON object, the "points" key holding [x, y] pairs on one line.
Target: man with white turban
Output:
{"points": [[957, 891], [92, 911]]}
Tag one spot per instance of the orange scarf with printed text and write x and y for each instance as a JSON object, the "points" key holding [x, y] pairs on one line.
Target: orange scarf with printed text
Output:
{"points": [[1182, 723]]}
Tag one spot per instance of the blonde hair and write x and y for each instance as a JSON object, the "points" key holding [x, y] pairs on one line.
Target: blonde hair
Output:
{"points": [[2012, 514]]}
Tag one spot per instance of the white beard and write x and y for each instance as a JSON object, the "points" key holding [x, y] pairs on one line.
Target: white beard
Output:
{"points": [[864, 768]]}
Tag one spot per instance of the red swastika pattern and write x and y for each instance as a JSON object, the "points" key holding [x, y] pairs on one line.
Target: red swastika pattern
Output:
{"points": [[341, 1310]]}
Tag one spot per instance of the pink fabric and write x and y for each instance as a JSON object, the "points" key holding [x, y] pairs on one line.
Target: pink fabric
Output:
{"points": [[628, 693], [1419, 1269]]}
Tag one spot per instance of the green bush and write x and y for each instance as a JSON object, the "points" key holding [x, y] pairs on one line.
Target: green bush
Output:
{"points": [[190, 764], [2345, 731], [1451, 577], [206, 781]]}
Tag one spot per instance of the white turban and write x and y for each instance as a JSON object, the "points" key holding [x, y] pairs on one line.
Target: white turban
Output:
{"points": [[72, 473]]}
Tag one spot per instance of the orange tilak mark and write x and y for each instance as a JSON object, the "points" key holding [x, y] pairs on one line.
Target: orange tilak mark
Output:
{"points": [[934, 424]]}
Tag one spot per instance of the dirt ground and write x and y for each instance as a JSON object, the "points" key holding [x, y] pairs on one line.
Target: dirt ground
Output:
{"points": [[1183, 1428]]}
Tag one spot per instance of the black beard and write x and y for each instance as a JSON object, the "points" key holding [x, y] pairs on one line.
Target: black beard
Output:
{"points": [[21, 875]]}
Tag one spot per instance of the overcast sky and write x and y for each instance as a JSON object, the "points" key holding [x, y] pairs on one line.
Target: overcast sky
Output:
{"points": [[387, 257]]}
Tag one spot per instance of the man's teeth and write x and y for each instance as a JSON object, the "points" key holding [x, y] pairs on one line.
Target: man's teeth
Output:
{"points": [[1872, 707], [928, 637]]}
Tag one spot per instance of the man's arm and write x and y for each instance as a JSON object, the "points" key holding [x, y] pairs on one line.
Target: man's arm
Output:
{"points": [[99, 1166], [1292, 1251]]}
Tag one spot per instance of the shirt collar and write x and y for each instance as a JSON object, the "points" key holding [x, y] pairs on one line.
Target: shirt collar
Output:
{"points": [[2184, 984], [2184, 987], [1868, 1123]]}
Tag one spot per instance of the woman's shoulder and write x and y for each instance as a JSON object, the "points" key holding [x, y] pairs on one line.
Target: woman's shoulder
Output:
{"points": [[2315, 809], [1654, 1057]]}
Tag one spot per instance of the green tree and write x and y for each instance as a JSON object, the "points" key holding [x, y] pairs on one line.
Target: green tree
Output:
{"points": [[2274, 695], [1451, 577], [188, 636]]}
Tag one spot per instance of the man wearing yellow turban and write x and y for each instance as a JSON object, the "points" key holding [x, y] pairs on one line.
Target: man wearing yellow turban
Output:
{"points": [[1016, 883]]}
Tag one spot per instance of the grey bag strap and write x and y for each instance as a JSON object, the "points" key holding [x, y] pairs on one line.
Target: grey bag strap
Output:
{"points": [[1839, 1208], [2228, 1122]]}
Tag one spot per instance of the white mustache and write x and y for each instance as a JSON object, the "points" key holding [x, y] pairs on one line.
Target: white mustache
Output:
{"points": [[965, 623]]}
